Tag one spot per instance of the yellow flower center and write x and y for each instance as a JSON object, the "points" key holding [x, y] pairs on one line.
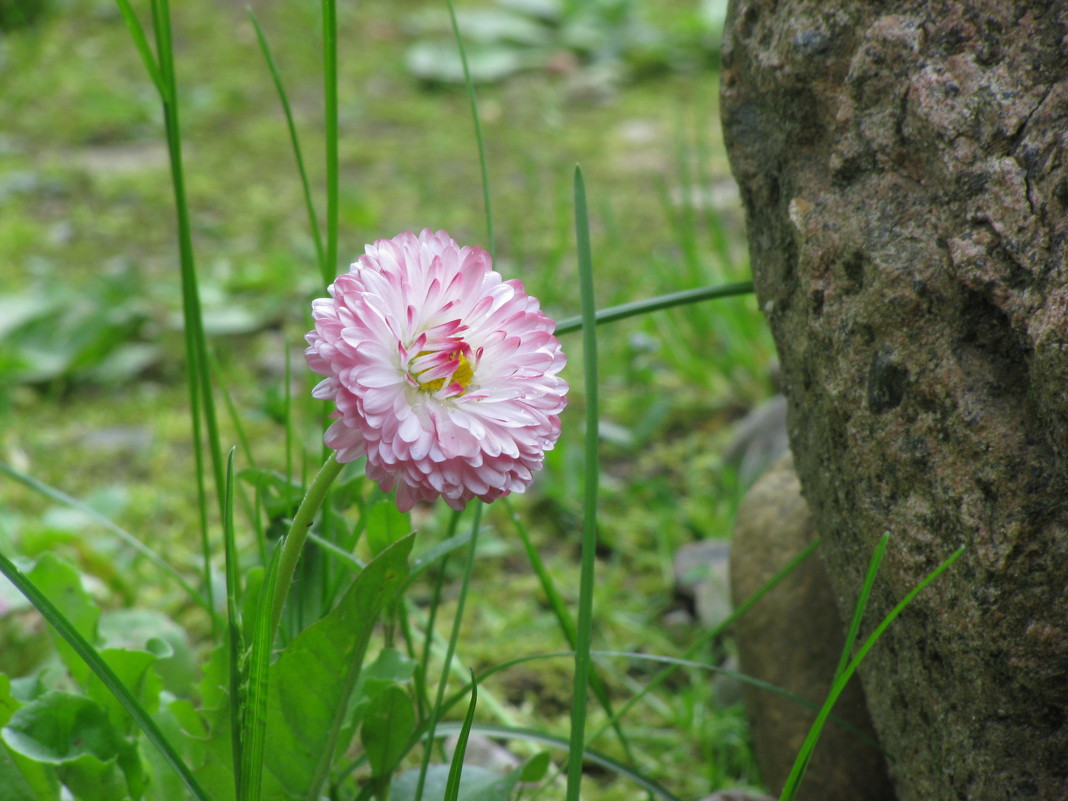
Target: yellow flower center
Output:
{"points": [[462, 375]]}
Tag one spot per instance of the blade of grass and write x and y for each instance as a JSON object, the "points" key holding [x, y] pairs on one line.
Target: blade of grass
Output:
{"points": [[615, 313], [591, 470], [107, 677], [793, 781], [200, 391], [233, 629], [451, 649], [329, 8], [254, 719], [61, 497], [858, 613], [862, 603], [470, 84], [325, 266], [452, 784], [137, 31]]}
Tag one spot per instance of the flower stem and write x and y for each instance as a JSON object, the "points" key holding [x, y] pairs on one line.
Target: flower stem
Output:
{"points": [[298, 533]]}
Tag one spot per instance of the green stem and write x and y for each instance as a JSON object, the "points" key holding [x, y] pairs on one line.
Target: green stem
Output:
{"points": [[298, 533], [614, 313]]}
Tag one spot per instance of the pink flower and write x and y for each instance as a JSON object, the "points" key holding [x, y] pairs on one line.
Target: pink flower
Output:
{"points": [[444, 375]]}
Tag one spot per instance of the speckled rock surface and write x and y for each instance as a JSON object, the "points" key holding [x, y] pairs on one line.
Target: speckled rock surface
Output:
{"points": [[792, 638], [904, 169]]}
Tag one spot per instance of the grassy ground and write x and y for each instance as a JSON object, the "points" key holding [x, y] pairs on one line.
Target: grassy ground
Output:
{"points": [[94, 401]]}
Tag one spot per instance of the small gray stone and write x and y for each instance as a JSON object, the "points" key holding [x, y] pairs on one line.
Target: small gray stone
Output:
{"points": [[759, 439], [792, 639], [701, 576], [738, 795]]}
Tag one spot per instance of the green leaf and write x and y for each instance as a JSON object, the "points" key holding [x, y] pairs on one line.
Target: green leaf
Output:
{"points": [[22, 779], [74, 733], [311, 684], [93, 779], [62, 584], [385, 525], [58, 621], [535, 768], [387, 729]]}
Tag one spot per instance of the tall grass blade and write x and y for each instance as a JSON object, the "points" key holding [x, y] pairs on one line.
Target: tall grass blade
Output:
{"points": [[793, 781], [200, 393], [452, 786], [591, 470], [254, 703], [329, 8], [233, 629], [470, 84], [862, 602], [326, 268], [615, 313], [107, 677], [137, 31]]}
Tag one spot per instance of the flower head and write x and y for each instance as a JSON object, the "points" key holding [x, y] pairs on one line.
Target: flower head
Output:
{"points": [[443, 374]]}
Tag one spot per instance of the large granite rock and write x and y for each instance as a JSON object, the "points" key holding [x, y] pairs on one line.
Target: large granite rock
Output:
{"points": [[904, 169]]}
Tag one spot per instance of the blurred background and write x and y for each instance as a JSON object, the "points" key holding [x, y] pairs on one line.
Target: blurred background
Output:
{"points": [[93, 399]]}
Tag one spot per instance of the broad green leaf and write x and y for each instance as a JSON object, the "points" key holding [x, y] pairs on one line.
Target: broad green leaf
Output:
{"points": [[385, 525], [313, 679], [59, 727], [73, 732], [22, 778], [387, 728], [61, 583]]}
